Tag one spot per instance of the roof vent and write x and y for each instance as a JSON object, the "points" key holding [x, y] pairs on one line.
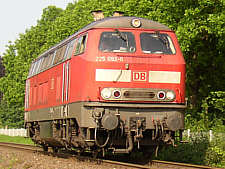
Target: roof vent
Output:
{"points": [[118, 13], [98, 15]]}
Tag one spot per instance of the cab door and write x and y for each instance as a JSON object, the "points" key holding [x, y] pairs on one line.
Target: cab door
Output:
{"points": [[66, 69], [65, 82]]}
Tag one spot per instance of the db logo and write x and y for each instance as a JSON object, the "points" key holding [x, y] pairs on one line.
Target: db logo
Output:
{"points": [[139, 76]]}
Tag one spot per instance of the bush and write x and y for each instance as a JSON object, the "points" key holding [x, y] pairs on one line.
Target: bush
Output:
{"points": [[210, 117], [215, 155], [192, 152], [11, 116], [197, 151], [213, 108]]}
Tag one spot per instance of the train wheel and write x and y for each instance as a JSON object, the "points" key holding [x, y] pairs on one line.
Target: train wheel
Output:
{"points": [[45, 148], [80, 152], [55, 149], [148, 151], [95, 153]]}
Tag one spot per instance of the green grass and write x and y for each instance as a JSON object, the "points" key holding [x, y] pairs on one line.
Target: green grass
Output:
{"points": [[15, 139]]}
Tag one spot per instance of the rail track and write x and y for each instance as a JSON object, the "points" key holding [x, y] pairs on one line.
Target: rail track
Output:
{"points": [[154, 164], [24, 147]]}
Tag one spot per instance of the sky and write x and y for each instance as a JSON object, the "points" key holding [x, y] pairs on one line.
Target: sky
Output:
{"points": [[18, 15]]}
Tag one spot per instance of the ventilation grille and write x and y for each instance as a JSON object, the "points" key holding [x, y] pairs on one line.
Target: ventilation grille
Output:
{"points": [[139, 94]]}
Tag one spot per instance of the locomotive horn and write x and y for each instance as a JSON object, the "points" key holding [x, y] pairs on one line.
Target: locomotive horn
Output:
{"points": [[98, 15], [118, 13]]}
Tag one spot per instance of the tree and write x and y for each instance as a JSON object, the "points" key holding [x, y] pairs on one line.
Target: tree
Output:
{"points": [[2, 69], [17, 59], [202, 37], [199, 25], [2, 72]]}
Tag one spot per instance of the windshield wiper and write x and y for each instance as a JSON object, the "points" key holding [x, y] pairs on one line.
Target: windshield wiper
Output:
{"points": [[162, 39], [121, 35], [118, 77]]}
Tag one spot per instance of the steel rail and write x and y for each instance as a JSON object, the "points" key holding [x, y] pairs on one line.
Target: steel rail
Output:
{"points": [[26, 147], [126, 165], [32, 148], [154, 164], [184, 165]]}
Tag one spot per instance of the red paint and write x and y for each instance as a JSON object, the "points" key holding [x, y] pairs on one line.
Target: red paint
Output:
{"points": [[46, 88]]}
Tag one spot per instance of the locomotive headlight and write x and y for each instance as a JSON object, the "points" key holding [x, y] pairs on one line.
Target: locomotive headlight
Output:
{"points": [[170, 95], [136, 23], [106, 93]]}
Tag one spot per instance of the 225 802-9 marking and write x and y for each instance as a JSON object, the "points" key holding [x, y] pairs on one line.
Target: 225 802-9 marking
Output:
{"points": [[109, 59]]}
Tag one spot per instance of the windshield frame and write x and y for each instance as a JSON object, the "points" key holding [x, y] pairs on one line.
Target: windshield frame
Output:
{"points": [[164, 39], [122, 37]]}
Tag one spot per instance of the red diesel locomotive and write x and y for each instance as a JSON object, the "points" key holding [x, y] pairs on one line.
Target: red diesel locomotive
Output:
{"points": [[116, 85]]}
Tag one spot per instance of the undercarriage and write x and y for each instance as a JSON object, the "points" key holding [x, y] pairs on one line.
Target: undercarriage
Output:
{"points": [[111, 133]]}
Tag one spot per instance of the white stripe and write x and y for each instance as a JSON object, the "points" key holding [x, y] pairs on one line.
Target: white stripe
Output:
{"points": [[110, 75], [164, 77]]}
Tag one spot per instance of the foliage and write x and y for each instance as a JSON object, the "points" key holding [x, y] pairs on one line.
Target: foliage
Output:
{"points": [[17, 59], [1, 68], [201, 34], [193, 123], [10, 116], [203, 124], [199, 25], [197, 151], [214, 106], [2, 72], [215, 155], [192, 152], [212, 115]]}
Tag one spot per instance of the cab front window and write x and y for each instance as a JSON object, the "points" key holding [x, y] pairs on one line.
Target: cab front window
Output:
{"points": [[156, 43], [117, 42]]}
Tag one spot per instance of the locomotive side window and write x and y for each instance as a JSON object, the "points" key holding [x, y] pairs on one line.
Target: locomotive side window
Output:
{"points": [[31, 69], [50, 58], [156, 43], [36, 66], [81, 45], [117, 42], [44, 63], [69, 49], [59, 54], [39, 65]]}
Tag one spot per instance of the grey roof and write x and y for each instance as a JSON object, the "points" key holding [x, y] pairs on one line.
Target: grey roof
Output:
{"points": [[125, 22], [115, 22]]}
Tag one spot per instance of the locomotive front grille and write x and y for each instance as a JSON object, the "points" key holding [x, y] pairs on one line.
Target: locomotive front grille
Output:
{"points": [[139, 94]]}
